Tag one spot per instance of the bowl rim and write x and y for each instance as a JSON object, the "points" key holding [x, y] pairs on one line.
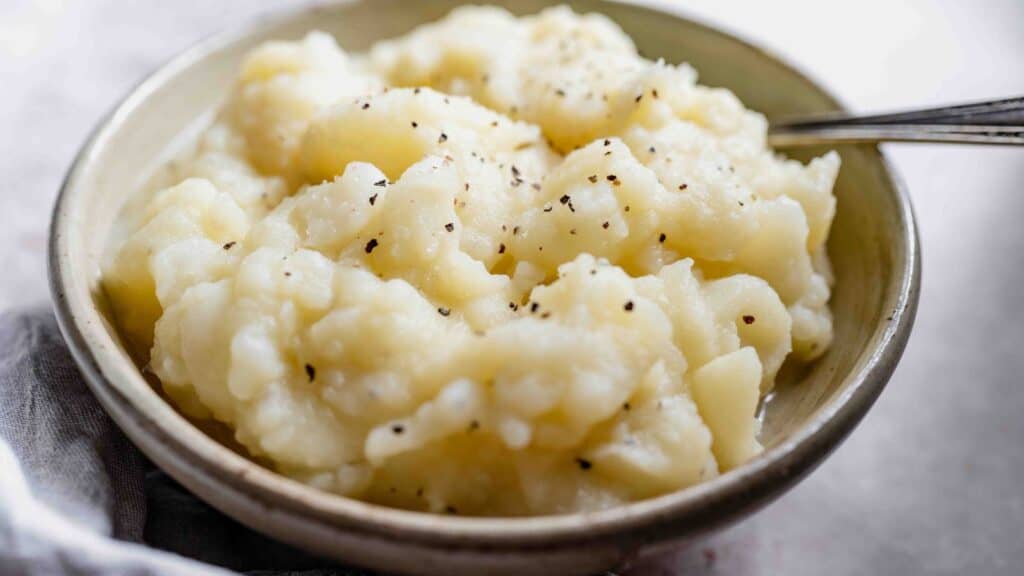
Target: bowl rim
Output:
{"points": [[170, 439]]}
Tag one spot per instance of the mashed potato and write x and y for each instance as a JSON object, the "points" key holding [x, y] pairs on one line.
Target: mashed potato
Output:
{"points": [[497, 266]]}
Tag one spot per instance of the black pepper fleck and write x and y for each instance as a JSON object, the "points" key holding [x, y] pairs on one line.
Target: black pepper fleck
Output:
{"points": [[397, 428], [366, 105], [442, 138], [628, 306], [501, 248], [444, 311], [373, 199], [229, 245], [415, 125], [592, 178], [584, 464], [565, 199], [605, 224], [533, 307], [371, 245], [661, 238], [383, 182], [683, 186], [310, 372], [449, 227], [748, 319]]}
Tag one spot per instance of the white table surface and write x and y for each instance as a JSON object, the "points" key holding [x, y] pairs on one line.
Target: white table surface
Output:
{"points": [[932, 481]]}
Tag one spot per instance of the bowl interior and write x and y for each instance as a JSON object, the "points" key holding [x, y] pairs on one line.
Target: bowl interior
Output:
{"points": [[868, 243]]}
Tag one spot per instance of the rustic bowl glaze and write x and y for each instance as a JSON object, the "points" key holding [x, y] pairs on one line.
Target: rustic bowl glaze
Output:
{"points": [[874, 250]]}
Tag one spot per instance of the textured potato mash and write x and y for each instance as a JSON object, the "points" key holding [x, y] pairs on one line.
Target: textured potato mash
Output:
{"points": [[498, 266]]}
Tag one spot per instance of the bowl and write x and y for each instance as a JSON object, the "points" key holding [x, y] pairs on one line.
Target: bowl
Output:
{"points": [[873, 246]]}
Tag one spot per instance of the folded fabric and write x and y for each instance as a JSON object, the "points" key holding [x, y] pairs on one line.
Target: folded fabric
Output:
{"points": [[76, 497]]}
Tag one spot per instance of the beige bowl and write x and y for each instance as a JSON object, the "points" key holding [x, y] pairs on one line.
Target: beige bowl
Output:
{"points": [[873, 247]]}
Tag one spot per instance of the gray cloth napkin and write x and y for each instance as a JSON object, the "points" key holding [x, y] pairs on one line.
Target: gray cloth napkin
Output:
{"points": [[76, 497]]}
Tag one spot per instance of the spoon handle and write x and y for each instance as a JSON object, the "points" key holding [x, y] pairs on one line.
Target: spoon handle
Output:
{"points": [[992, 122]]}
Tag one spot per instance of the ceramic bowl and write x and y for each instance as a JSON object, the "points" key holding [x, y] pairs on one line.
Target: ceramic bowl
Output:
{"points": [[873, 246]]}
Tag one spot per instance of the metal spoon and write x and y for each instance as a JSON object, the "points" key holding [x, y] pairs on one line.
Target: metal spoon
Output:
{"points": [[993, 122]]}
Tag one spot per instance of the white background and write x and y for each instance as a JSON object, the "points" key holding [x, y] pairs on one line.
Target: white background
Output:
{"points": [[933, 479]]}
